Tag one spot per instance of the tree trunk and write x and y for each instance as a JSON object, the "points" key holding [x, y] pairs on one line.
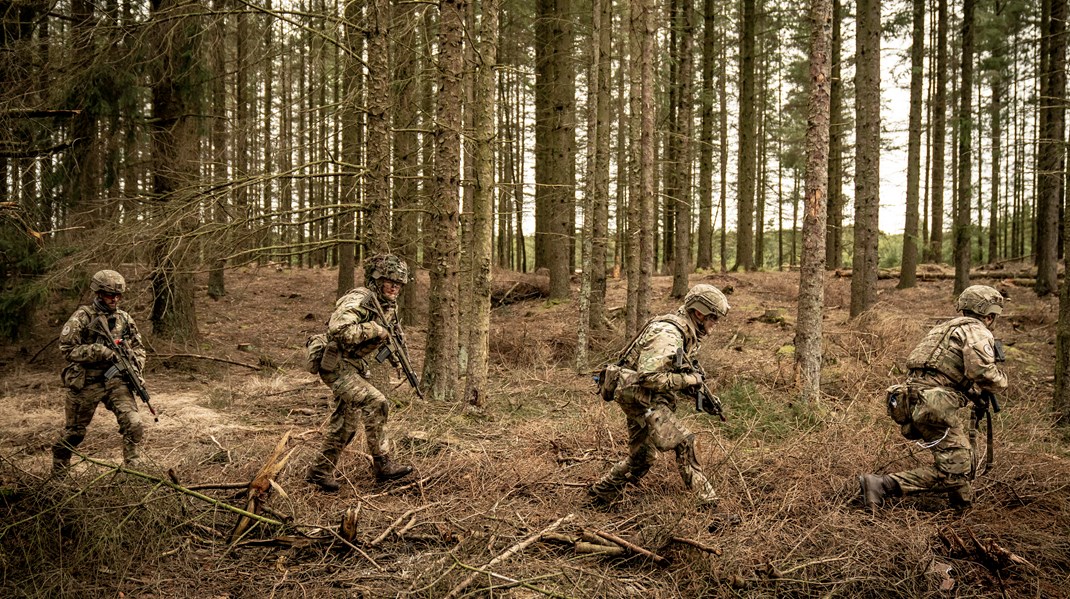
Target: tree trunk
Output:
{"points": [[682, 253], [351, 148], [600, 208], [808, 348], [834, 226], [482, 206], [963, 237], [867, 156], [174, 133], [554, 142], [936, 226], [705, 152], [440, 362], [747, 142], [405, 97], [217, 205], [1051, 152], [908, 271]]}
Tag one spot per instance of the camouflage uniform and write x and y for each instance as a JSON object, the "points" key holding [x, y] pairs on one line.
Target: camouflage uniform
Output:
{"points": [[649, 406], [356, 334], [954, 359], [88, 359]]}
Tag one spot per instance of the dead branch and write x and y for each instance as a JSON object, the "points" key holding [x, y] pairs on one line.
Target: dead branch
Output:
{"points": [[517, 548], [657, 559], [382, 537], [600, 549], [40, 351], [209, 358], [262, 483], [697, 545]]}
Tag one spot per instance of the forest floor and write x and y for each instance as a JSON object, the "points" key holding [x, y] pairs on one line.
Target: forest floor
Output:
{"points": [[789, 522]]}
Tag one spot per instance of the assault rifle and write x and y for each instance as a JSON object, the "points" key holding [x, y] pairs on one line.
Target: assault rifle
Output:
{"points": [[395, 349], [125, 365], [984, 404], [705, 400]]}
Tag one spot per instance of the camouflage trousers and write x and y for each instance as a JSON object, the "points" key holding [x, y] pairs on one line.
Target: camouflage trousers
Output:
{"points": [[81, 405], [938, 422], [355, 400], [651, 430]]}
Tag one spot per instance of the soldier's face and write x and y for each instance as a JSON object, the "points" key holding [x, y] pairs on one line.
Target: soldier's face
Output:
{"points": [[111, 300], [390, 289], [705, 323], [990, 321]]}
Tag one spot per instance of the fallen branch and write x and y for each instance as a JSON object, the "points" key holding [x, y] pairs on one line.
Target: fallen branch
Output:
{"points": [[697, 545], [600, 549], [40, 351], [209, 358], [507, 554], [657, 559], [263, 482], [181, 489], [206, 486], [396, 523]]}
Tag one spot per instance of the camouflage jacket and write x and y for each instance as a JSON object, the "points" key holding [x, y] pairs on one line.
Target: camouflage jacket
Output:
{"points": [[958, 353], [652, 353], [355, 326], [80, 345]]}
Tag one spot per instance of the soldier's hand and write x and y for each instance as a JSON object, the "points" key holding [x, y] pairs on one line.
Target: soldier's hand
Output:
{"points": [[692, 379]]}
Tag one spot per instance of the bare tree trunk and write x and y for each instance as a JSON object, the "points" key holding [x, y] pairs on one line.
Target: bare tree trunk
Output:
{"points": [[443, 219], [217, 204], [867, 156], [1051, 152], [963, 238], [808, 347], [705, 178], [722, 135], [600, 208], [405, 95], [747, 142], [685, 102], [377, 183], [351, 148], [482, 206], [908, 271], [936, 237], [834, 226], [647, 166], [633, 312], [590, 191], [995, 223], [174, 133]]}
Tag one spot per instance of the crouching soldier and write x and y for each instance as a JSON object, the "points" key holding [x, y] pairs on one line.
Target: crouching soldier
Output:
{"points": [[648, 395], [84, 343], [356, 331], [954, 363]]}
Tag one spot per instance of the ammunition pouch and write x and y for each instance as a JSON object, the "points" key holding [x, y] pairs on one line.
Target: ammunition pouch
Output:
{"points": [[73, 377], [321, 354], [901, 400], [613, 379]]}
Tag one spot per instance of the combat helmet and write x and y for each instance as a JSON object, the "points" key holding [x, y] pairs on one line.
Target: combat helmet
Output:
{"points": [[108, 281], [980, 299], [385, 266], [706, 299]]}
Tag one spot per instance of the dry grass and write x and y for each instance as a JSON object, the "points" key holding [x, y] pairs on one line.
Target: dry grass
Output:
{"points": [[788, 523]]}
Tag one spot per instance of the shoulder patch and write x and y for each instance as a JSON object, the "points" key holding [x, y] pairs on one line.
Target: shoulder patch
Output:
{"points": [[66, 330], [988, 349]]}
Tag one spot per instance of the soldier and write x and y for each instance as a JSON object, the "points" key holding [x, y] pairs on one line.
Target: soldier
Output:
{"points": [[955, 360], [88, 359], [356, 330], [648, 398]]}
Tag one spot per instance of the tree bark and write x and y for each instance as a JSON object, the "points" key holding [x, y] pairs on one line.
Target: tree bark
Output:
{"points": [[867, 156], [936, 225], [808, 347], [684, 111], [1051, 151], [747, 142], [908, 271], [963, 237], [440, 362]]}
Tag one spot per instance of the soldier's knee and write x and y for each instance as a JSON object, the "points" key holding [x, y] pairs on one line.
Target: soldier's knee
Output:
{"points": [[685, 451]]}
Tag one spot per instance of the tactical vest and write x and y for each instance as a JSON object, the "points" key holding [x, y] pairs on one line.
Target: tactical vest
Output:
{"points": [[935, 353], [119, 323], [630, 354]]}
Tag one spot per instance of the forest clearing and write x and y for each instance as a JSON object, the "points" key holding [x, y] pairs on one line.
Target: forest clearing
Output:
{"points": [[497, 506]]}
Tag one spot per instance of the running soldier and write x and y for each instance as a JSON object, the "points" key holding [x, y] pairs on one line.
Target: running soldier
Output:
{"points": [[356, 331], [88, 359], [648, 393], [955, 362]]}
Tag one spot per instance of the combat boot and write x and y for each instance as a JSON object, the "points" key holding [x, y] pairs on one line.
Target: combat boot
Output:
{"points": [[324, 480], [60, 469], [960, 498], [876, 487], [385, 468]]}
